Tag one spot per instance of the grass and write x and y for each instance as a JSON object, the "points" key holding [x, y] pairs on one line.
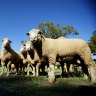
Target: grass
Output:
{"points": [[19, 85]]}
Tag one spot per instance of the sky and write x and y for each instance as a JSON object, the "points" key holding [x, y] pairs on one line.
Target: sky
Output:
{"points": [[17, 17]]}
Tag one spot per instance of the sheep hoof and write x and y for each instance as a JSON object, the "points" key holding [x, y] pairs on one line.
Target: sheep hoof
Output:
{"points": [[27, 74], [51, 79], [85, 77], [37, 75]]}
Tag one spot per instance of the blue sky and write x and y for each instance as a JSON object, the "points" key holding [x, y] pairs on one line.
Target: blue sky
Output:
{"points": [[17, 17]]}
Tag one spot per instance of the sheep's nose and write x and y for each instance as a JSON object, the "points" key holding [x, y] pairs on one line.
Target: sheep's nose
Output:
{"points": [[28, 48], [32, 38], [21, 50], [6, 44]]}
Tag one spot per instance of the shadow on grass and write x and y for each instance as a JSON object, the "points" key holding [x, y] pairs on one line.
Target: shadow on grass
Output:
{"points": [[33, 86], [85, 91]]}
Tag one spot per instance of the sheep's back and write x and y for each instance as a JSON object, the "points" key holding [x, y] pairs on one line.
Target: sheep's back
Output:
{"points": [[15, 57], [65, 46]]}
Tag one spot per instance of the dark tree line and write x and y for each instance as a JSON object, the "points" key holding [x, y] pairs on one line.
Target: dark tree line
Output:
{"points": [[54, 31], [92, 42]]}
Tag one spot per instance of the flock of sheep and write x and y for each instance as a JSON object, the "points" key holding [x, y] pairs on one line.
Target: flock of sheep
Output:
{"points": [[41, 51]]}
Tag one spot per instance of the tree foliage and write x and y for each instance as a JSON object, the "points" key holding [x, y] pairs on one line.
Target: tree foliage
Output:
{"points": [[92, 43], [54, 31]]}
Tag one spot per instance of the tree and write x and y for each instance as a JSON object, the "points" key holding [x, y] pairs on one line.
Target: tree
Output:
{"points": [[92, 43], [54, 31]]}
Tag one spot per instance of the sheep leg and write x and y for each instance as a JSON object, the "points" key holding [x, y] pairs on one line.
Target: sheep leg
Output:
{"points": [[90, 65], [51, 75], [8, 67], [37, 69], [17, 69], [70, 70], [92, 73], [28, 69], [62, 66], [34, 70], [3, 67], [42, 68], [52, 62], [23, 69], [85, 70]]}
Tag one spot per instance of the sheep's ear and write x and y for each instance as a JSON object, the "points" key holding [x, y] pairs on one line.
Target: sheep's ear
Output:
{"points": [[2, 40], [10, 41], [40, 32], [27, 33]]}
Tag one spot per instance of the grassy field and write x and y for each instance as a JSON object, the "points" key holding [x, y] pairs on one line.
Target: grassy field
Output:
{"points": [[19, 85]]}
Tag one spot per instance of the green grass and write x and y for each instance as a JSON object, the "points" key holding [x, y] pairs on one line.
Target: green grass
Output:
{"points": [[39, 86], [19, 85]]}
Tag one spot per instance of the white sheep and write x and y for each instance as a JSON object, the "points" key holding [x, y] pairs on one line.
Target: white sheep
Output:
{"points": [[8, 56], [33, 57], [25, 61], [62, 48]]}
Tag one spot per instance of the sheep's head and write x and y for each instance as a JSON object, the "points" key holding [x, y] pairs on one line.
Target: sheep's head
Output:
{"points": [[29, 46], [35, 35], [6, 42], [22, 49]]}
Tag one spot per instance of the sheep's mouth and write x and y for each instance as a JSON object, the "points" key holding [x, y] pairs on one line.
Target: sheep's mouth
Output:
{"points": [[22, 51], [34, 41], [5, 46]]}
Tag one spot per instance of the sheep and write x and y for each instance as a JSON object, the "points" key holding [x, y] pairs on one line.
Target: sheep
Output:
{"points": [[63, 48], [25, 61], [8, 56], [33, 57]]}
